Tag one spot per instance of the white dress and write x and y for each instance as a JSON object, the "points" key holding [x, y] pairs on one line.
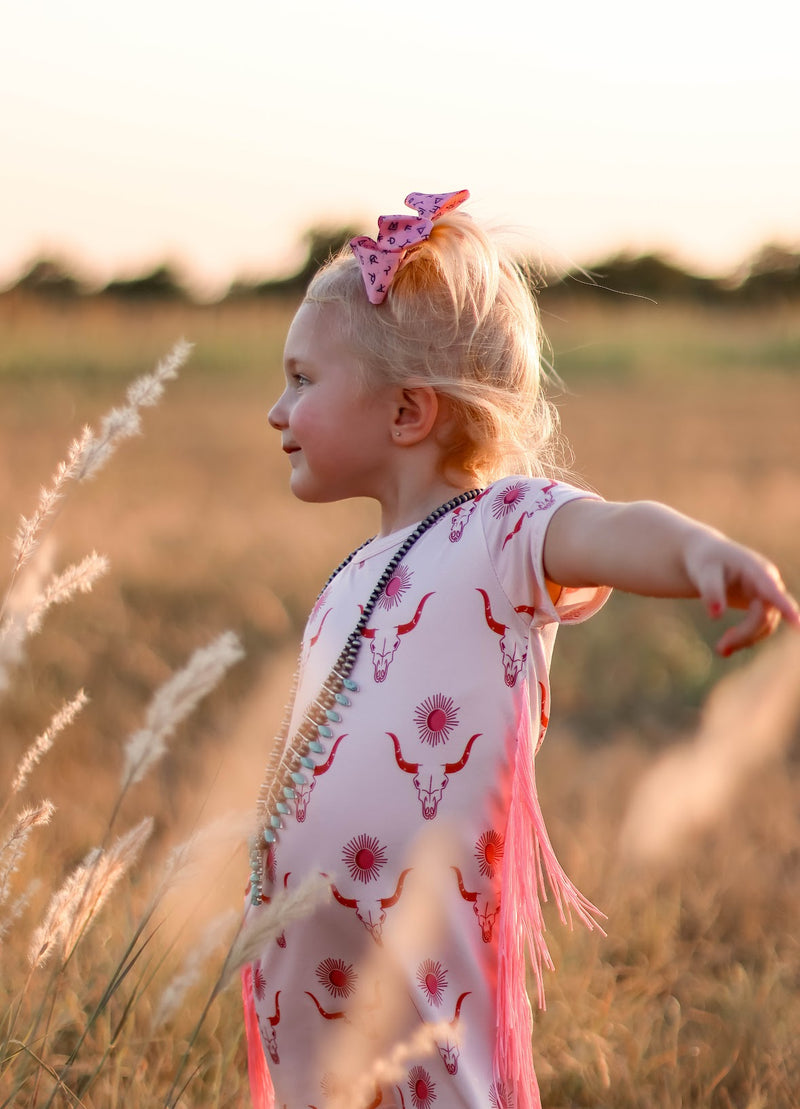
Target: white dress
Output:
{"points": [[389, 994]]}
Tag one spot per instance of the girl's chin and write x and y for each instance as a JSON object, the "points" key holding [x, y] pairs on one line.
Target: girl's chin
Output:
{"points": [[308, 491]]}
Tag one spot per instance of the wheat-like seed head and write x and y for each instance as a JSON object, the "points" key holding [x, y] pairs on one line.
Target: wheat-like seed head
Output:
{"points": [[42, 744], [78, 578], [74, 906], [264, 923], [215, 934], [174, 701], [11, 850]]}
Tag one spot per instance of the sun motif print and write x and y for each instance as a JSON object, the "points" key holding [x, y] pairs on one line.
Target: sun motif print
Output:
{"points": [[436, 717], [338, 977], [397, 585], [259, 981], [364, 857], [422, 1088], [432, 979], [402, 804], [489, 853], [508, 499], [500, 1096]]}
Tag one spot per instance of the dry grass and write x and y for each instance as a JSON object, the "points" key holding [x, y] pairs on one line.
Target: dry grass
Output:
{"points": [[692, 998]]}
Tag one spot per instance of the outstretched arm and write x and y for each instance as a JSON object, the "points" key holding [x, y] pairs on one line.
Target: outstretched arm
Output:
{"points": [[647, 548]]}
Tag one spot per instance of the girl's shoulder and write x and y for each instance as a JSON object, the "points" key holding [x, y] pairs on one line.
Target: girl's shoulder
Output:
{"points": [[520, 496]]}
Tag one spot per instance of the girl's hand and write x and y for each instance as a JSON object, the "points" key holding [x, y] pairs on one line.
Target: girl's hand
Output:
{"points": [[727, 575], [647, 548]]}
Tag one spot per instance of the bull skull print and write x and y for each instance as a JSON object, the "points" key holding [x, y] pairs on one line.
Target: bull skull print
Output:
{"points": [[485, 908], [430, 775], [513, 652], [383, 642]]}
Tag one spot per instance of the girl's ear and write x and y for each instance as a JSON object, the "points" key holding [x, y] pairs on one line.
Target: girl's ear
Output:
{"points": [[415, 414]]}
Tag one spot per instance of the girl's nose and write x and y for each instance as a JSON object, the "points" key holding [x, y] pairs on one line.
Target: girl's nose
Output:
{"points": [[277, 415]]}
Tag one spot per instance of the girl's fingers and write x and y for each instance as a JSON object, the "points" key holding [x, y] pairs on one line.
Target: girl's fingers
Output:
{"points": [[761, 620], [786, 605], [711, 587]]}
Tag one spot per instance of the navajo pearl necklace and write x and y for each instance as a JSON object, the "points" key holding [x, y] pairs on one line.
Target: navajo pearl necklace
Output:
{"points": [[289, 761]]}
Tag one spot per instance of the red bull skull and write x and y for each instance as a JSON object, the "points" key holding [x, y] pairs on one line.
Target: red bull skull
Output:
{"points": [[462, 515], [450, 1051], [486, 909], [513, 652], [269, 1030], [371, 911], [430, 778], [384, 642]]}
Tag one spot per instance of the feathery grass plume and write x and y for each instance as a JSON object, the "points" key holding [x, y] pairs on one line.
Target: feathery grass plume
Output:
{"points": [[18, 907], [124, 422], [230, 830], [392, 1066], [13, 633], [217, 932], [78, 578], [42, 744], [74, 906], [749, 717], [11, 850], [16, 607], [89, 453], [266, 922], [174, 701], [30, 527]]}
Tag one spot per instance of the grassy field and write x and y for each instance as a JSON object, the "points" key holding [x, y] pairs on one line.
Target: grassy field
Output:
{"points": [[691, 999]]}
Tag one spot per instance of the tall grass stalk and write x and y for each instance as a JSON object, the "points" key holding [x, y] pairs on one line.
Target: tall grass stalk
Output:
{"points": [[88, 454], [26, 1056], [173, 702], [256, 930], [44, 742], [12, 848]]}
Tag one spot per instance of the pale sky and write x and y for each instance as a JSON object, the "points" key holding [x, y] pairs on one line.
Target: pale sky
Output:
{"points": [[213, 135]]}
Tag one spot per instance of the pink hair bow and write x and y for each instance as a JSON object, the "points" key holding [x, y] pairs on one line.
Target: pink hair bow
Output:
{"points": [[380, 258]]}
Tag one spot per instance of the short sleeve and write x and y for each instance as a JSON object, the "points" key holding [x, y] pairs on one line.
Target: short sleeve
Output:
{"points": [[516, 514]]}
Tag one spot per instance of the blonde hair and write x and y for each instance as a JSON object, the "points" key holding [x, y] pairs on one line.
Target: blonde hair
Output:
{"points": [[460, 317]]}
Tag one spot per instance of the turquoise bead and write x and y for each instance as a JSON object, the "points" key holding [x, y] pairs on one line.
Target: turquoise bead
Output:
{"points": [[315, 746], [334, 716], [288, 793], [298, 778], [341, 699], [282, 807], [307, 762], [275, 821], [348, 683], [325, 731], [269, 835]]}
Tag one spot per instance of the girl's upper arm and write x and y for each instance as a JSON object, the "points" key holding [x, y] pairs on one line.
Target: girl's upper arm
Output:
{"points": [[575, 536]]}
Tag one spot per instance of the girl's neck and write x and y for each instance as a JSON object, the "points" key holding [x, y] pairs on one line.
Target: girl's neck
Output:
{"points": [[408, 507]]}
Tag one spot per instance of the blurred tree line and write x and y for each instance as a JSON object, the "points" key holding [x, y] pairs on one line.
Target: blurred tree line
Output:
{"points": [[771, 276]]}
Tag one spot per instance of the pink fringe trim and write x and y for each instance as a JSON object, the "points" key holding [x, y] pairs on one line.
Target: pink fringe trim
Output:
{"points": [[261, 1091], [526, 860]]}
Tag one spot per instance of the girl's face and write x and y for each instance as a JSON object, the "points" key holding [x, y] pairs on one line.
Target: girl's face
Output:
{"points": [[337, 435]]}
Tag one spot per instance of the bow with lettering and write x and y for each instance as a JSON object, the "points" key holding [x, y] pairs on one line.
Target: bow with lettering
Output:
{"points": [[380, 258]]}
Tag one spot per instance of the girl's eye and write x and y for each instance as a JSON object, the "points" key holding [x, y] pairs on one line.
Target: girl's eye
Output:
{"points": [[299, 380]]}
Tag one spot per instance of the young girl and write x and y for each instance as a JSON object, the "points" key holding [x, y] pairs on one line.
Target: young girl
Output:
{"points": [[405, 775]]}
